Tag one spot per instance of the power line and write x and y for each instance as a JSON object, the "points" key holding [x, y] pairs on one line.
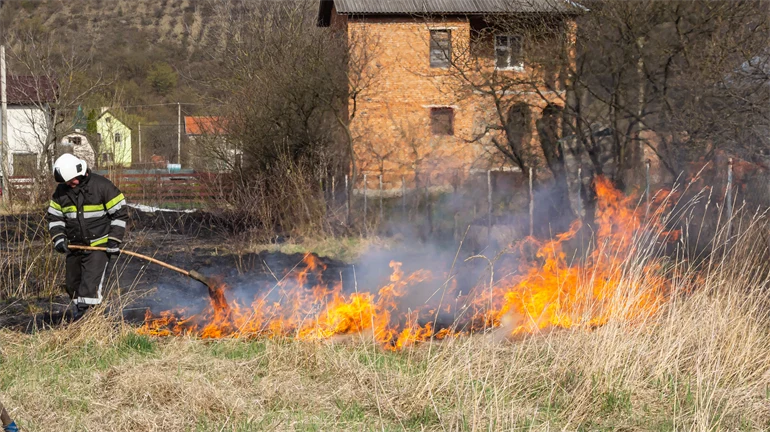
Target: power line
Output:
{"points": [[146, 105], [164, 104]]}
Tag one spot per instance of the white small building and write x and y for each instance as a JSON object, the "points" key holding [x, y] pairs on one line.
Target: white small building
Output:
{"points": [[77, 143], [29, 123]]}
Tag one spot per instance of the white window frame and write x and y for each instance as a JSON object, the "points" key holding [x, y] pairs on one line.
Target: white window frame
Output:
{"points": [[516, 67]]}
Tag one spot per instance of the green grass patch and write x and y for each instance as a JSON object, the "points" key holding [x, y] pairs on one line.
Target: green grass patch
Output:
{"points": [[350, 411], [133, 342], [384, 361], [237, 349]]}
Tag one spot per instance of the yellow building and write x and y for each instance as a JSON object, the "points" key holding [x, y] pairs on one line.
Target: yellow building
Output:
{"points": [[114, 141]]}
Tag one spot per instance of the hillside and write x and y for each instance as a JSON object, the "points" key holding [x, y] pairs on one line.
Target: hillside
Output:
{"points": [[178, 23], [147, 55]]}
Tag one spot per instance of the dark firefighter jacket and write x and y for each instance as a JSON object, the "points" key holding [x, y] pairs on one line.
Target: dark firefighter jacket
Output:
{"points": [[89, 214]]}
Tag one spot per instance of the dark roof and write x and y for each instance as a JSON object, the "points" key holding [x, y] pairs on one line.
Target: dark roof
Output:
{"points": [[29, 90], [465, 7]]}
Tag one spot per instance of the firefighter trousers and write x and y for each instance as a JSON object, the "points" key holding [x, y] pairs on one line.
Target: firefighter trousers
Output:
{"points": [[86, 276]]}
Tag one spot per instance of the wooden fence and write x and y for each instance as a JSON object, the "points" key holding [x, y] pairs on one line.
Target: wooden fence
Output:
{"points": [[165, 190], [176, 190]]}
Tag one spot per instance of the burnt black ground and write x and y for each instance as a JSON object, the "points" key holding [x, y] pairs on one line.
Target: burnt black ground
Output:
{"points": [[189, 242], [143, 285]]}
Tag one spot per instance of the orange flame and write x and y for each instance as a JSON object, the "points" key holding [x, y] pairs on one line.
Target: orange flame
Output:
{"points": [[551, 290]]}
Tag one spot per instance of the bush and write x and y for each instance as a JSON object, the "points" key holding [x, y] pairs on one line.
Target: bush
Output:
{"points": [[163, 78]]}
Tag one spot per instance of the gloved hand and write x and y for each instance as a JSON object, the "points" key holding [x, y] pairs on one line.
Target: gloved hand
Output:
{"points": [[60, 245], [11, 427], [113, 247]]}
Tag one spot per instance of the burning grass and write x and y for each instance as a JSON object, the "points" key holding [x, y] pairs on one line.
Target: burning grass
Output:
{"points": [[620, 277], [700, 364], [621, 339]]}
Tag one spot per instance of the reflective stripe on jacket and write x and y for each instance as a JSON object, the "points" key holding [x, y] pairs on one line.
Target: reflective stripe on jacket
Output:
{"points": [[89, 214]]}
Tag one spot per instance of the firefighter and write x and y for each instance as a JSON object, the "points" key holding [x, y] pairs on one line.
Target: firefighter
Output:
{"points": [[86, 209], [8, 424]]}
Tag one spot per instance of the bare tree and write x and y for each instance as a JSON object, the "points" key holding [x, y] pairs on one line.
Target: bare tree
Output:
{"points": [[617, 82], [283, 92], [688, 74], [518, 93], [62, 77]]}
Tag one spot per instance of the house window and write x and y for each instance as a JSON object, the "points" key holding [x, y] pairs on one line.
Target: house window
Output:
{"points": [[117, 138], [440, 48], [24, 164], [108, 119], [76, 141], [508, 52], [106, 158], [442, 121]]}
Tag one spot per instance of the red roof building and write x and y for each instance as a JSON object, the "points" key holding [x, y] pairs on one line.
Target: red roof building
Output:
{"points": [[203, 125], [29, 90]]}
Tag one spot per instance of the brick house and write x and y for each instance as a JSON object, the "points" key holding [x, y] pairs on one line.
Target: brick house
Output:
{"points": [[414, 121]]}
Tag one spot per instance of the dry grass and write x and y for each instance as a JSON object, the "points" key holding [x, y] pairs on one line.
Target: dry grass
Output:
{"points": [[699, 365], [702, 363], [28, 267], [347, 249]]}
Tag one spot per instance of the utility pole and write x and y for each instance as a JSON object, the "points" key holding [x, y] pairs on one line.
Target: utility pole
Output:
{"points": [[140, 143], [4, 128], [179, 134]]}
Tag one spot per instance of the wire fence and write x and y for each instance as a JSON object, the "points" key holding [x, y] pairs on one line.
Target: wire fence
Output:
{"points": [[485, 207], [499, 206]]}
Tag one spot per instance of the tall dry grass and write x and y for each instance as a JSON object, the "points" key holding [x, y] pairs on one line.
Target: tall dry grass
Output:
{"points": [[28, 267], [700, 363], [284, 198]]}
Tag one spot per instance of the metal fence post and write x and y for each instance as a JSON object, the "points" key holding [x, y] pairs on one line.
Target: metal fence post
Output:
{"points": [[403, 197], [334, 193], [380, 198], [489, 207], [531, 206], [580, 193], [347, 201], [647, 186], [729, 197], [365, 203], [429, 206]]}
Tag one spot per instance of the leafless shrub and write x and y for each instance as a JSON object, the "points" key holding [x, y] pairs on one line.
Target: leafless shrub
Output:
{"points": [[28, 266], [284, 198]]}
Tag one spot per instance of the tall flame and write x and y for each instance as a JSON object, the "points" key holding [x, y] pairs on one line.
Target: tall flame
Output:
{"points": [[550, 290]]}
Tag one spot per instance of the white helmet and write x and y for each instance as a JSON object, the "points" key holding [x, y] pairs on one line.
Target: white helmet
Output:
{"points": [[67, 167]]}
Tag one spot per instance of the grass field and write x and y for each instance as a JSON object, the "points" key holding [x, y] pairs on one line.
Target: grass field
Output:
{"points": [[699, 362], [702, 364]]}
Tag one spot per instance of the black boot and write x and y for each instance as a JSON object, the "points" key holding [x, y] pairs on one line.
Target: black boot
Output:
{"points": [[80, 310]]}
